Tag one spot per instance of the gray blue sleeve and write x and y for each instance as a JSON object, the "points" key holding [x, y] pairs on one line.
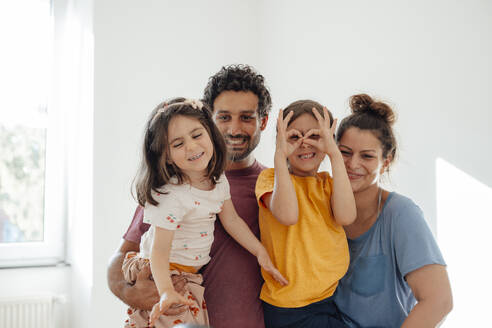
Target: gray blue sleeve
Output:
{"points": [[414, 243]]}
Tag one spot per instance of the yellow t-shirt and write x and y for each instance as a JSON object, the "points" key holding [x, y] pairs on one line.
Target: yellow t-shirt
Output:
{"points": [[313, 253]]}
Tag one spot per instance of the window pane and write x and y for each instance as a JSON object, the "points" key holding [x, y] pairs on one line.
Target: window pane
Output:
{"points": [[22, 182]]}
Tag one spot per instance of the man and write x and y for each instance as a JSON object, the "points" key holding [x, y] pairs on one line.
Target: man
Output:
{"points": [[240, 102]]}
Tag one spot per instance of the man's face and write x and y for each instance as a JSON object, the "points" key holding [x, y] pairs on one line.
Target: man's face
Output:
{"points": [[236, 116]]}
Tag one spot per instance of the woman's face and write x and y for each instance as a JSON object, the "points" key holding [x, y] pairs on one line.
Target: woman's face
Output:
{"points": [[363, 156]]}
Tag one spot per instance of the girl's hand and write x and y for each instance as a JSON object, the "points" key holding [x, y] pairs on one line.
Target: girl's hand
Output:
{"points": [[287, 141], [326, 142], [266, 263], [168, 299]]}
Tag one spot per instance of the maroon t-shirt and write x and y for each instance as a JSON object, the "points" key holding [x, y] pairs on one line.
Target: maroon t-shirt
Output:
{"points": [[232, 278]]}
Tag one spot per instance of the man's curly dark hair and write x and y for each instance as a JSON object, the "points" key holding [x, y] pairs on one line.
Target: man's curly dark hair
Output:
{"points": [[239, 78]]}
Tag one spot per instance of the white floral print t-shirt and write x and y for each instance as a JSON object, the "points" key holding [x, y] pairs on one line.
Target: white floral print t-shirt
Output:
{"points": [[191, 213]]}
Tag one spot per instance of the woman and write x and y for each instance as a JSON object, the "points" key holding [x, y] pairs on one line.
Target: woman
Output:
{"points": [[397, 276]]}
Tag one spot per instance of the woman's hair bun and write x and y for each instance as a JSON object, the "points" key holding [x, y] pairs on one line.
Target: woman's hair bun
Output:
{"points": [[364, 104]]}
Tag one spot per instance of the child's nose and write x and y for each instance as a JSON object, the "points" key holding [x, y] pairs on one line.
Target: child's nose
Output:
{"points": [[190, 146], [305, 145]]}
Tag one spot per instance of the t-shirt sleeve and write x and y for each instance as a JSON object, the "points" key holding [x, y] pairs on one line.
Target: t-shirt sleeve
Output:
{"points": [[223, 183], [328, 184], [415, 245], [137, 227], [264, 184], [167, 214]]}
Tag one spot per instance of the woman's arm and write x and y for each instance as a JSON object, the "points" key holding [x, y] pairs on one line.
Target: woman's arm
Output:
{"points": [[282, 202], [431, 287], [240, 231], [159, 263]]}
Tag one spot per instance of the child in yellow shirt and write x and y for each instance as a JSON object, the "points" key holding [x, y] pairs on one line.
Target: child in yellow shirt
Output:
{"points": [[301, 217]]}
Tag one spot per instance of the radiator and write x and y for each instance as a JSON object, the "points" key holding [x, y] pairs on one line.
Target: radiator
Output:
{"points": [[28, 312]]}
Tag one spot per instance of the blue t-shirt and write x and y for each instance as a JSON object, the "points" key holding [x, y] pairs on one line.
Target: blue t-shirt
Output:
{"points": [[374, 292]]}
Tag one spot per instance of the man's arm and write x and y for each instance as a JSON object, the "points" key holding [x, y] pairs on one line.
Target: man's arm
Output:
{"points": [[141, 295]]}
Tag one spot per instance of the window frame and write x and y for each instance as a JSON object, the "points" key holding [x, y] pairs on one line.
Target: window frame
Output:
{"points": [[52, 250]]}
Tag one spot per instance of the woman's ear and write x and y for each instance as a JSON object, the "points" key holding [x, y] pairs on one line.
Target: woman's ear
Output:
{"points": [[386, 163]]}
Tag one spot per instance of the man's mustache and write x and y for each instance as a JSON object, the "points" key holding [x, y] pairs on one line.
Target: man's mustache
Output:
{"points": [[237, 136]]}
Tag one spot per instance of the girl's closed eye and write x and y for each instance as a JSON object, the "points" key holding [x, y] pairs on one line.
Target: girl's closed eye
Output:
{"points": [[198, 135], [177, 144]]}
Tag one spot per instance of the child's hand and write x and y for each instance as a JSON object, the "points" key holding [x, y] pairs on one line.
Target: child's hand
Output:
{"points": [[284, 147], [179, 284], [266, 263], [326, 142], [168, 299]]}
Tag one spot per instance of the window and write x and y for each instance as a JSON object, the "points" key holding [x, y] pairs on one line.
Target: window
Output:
{"points": [[31, 157]]}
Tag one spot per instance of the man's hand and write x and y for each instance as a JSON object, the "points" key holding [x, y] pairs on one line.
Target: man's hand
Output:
{"points": [[143, 294]]}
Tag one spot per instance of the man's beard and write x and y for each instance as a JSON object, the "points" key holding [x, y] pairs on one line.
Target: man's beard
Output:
{"points": [[252, 142]]}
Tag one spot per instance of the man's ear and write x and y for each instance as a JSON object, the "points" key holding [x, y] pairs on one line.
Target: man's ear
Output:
{"points": [[263, 122]]}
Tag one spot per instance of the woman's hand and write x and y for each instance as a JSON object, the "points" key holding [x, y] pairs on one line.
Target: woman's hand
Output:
{"points": [[169, 298], [266, 263], [287, 141], [326, 142]]}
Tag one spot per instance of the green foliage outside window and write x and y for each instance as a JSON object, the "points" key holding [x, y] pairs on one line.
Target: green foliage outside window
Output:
{"points": [[22, 183]]}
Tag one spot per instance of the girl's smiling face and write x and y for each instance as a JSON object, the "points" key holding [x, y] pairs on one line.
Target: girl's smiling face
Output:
{"points": [[363, 157], [306, 159], [190, 146]]}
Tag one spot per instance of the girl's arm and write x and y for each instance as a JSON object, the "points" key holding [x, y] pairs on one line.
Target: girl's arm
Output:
{"points": [[159, 263], [239, 230], [283, 201], [342, 197], [431, 287]]}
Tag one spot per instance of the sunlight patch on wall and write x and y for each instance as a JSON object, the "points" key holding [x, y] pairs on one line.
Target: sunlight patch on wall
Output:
{"points": [[464, 231]]}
